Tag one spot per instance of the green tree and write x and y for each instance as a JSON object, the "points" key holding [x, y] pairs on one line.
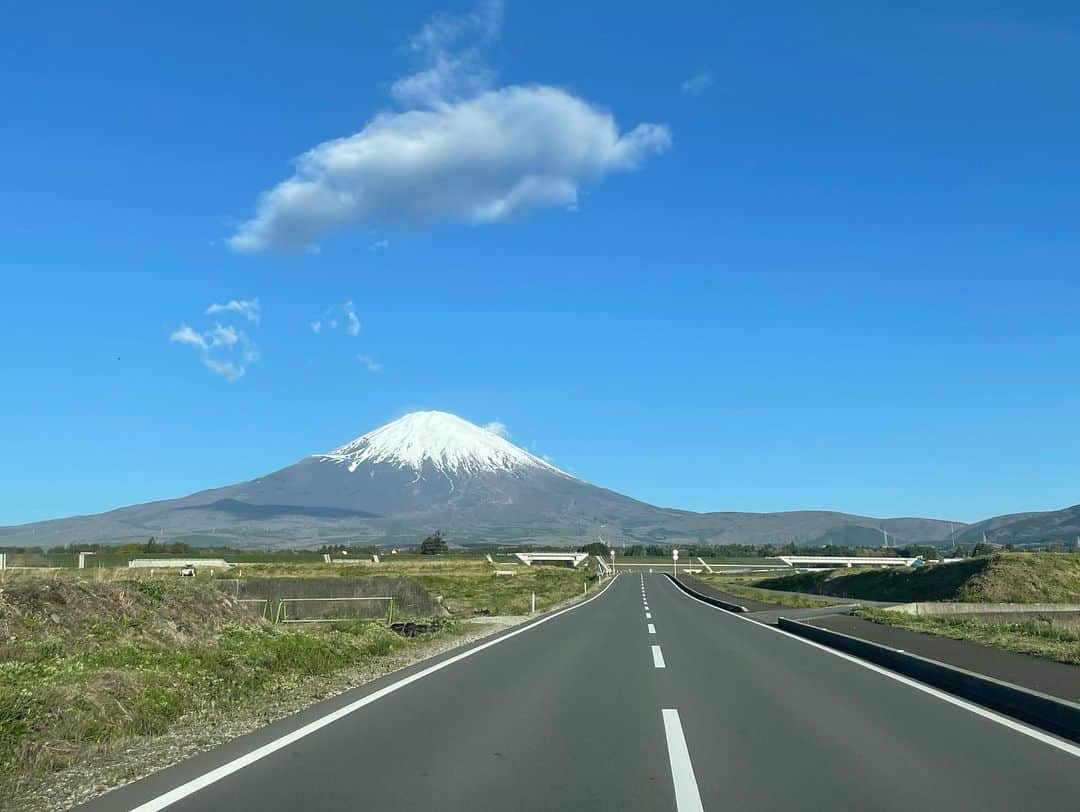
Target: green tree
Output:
{"points": [[594, 548], [434, 544]]}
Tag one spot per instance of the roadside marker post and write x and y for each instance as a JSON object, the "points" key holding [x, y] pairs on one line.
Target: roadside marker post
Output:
{"points": [[533, 612], [675, 563]]}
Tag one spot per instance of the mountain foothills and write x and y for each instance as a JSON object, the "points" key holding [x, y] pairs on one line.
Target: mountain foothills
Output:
{"points": [[433, 470]]}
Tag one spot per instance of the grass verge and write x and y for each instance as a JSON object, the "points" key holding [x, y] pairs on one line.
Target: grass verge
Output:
{"points": [[467, 587], [89, 665], [1038, 637], [741, 589]]}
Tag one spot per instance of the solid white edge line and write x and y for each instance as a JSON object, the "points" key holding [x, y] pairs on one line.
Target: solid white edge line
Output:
{"points": [[687, 797], [652, 629], [979, 710], [230, 767], [658, 657]]}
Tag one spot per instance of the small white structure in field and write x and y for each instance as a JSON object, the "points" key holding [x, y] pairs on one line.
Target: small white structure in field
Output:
{"points": [[166, 563], [826, 561], [571, 559]]}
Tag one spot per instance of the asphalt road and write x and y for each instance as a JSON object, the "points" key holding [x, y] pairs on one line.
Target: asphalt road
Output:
{"points": [[574, 713]]}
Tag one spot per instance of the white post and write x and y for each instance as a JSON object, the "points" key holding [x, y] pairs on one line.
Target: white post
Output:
{"points": [[3, 561], [585, 592], [675, 563], [533, 612]]}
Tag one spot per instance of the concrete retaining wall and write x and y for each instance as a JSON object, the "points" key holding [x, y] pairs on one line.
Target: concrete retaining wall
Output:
{"points": [[410, 599], [1055, 715]]}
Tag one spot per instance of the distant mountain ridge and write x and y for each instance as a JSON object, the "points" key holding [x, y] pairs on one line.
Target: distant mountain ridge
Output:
{"points": [[1026, 528], [434, 470]]}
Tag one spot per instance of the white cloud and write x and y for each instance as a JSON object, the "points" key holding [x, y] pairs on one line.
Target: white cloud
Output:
{"points": [[370, 364], [328, 321], [224, 349], [697, 84], [462, 150], [380, 245], [186, 335], [222, 336], [249, 308], [226, 369], [495, 427], [352, 326]]}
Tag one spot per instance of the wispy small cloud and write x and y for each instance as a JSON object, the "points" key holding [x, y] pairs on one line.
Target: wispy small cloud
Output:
{"points": [[352, 326], [330, 320], [248, 308], [227, 369], [370, 364], [495, 427], [186, 335], [380, 245], [225, 349], [697, 84]]}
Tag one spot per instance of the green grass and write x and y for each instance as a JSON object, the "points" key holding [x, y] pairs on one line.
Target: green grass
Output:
{"points": [[740, 588], [467, 586], [1041, 638], [85, 664], [1000, 578]]}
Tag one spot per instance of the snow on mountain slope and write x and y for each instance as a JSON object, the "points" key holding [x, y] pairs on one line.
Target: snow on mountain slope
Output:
{"points": [[451, 445]]}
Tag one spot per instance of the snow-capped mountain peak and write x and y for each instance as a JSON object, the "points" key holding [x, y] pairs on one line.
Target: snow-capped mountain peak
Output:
{"points": [[450, 444]]}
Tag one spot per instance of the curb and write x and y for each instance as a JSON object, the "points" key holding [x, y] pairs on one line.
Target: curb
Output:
{"points": [[731, 607], [1058, 716]]}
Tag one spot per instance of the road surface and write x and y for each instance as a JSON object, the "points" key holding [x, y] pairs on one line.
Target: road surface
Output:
{"points": [[593, 708]]}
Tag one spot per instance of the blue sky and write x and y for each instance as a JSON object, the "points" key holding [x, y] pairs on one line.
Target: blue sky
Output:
{"points": [[808, 257]]}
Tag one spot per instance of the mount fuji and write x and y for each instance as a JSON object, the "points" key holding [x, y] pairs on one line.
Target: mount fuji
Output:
{"points": [[433, 470]]}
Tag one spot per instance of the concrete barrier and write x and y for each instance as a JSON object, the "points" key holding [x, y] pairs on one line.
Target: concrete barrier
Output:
{"points": [[1058, 716], [303, 594], [731, 607]]}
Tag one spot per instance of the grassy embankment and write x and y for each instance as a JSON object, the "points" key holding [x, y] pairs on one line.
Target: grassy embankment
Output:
{"points": [[1000, 578], [742, 586], [467, 586], [89, 660], [1041, 637], [88, 663]]}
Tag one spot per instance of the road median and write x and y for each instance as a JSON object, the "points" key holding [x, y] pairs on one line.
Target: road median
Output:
{"points": [[712, 600]]}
